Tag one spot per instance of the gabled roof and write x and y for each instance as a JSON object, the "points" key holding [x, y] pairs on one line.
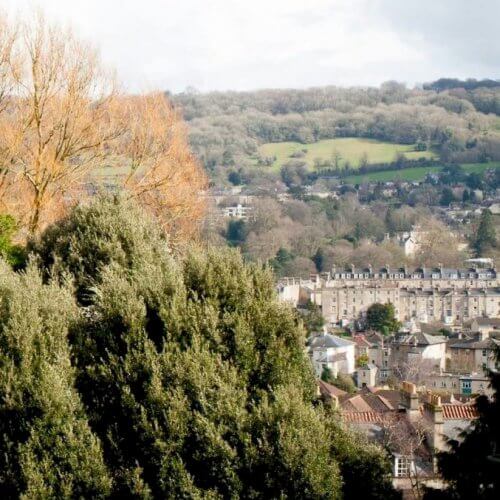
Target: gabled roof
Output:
{"points": [[421, 339], [367, 402], [327, 340]]}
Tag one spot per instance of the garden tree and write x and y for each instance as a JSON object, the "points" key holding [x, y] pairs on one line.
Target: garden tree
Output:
{"points": [[381, 317], [342, 381], [192, 374], [345, 382], [471, 467], [485, 236], [47, 449], [62, 116]]}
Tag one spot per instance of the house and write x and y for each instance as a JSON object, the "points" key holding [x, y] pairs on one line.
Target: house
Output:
{"points": [[332, 352], [486, 327], [237, 211], [378, 352], [412, 426], [469, 356], [329, 393], [367, 375], [419, 348], [458, 385]]}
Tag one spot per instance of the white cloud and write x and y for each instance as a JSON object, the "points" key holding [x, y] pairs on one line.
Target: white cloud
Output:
{"points": [[221, 44]]}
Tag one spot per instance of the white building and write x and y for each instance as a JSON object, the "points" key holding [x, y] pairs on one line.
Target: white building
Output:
{"points": [[237, 211], [330, 351]]}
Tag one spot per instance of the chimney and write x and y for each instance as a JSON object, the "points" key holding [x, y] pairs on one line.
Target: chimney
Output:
{"points": [[433, 410], [409, 399]]}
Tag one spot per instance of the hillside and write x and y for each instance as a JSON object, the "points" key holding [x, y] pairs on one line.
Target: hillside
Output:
{"points": [[238, 130]]}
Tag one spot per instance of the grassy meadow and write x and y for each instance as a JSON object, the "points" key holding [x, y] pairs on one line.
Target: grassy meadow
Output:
{"points": [[351, 149]]}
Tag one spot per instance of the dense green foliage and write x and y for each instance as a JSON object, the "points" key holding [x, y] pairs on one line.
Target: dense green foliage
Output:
{"points": [[485, 237], [12, 253], [381, 317], [174, 377], [472, 466], [47, 449]]}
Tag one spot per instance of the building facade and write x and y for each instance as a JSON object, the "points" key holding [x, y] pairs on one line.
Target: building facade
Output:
{"points": [[450, 296]]}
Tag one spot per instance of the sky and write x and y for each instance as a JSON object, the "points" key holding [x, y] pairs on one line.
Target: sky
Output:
{"points": [[250, 44]]}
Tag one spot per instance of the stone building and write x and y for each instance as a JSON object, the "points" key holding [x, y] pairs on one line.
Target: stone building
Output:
{"points": [[449, 296], [332, 352]]}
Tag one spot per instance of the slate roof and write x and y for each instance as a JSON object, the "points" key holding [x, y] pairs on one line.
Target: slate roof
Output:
{"points": [[332, 358], [420, 338], [476, 344], [326, 340]]}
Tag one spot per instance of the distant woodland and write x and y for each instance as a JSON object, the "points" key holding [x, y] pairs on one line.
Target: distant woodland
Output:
{"points": [[458, 119]]}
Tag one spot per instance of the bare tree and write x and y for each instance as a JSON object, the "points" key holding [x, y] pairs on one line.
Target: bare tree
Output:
{"points": [[62, 116], [414, 369]]}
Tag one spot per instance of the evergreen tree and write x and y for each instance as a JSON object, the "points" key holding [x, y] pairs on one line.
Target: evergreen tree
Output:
{"points": [[47, 449], [485, 236], [382, 317], [193, 375]]}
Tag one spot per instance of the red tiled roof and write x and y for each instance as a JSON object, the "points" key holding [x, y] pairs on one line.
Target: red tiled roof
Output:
{"points": [[362, 417], [459, 412]]}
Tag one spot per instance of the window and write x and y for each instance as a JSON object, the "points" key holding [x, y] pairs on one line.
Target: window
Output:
{"points": [[402, 467], [485, 353]]}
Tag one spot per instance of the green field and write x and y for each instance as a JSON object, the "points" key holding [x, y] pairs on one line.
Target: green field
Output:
{"points": [[350, 149], [414, 174]]}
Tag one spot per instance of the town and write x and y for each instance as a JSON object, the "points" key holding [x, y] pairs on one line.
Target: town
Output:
{"points": [[413, 386]]}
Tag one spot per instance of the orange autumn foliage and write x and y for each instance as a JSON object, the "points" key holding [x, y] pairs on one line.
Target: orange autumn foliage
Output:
{"points": [[62, 117]]}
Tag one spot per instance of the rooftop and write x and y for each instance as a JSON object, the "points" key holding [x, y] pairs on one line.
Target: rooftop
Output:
{"points": [[326, 340]]}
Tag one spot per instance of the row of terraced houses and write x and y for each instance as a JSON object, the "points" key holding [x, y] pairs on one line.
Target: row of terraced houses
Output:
{"points": [[427, 295]]}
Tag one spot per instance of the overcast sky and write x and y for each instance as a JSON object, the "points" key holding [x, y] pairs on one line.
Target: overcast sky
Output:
{"points": [[249, 44]]}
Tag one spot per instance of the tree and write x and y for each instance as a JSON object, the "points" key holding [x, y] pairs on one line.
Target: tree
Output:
{"points": [[47, 448], [236, 231], [336, 159], [363, 161], [447, 197], [485, 237], [234, 177], [381, 317], [192, 375], [313, 318], [63, 117], [12, 253], [471, 466]]}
